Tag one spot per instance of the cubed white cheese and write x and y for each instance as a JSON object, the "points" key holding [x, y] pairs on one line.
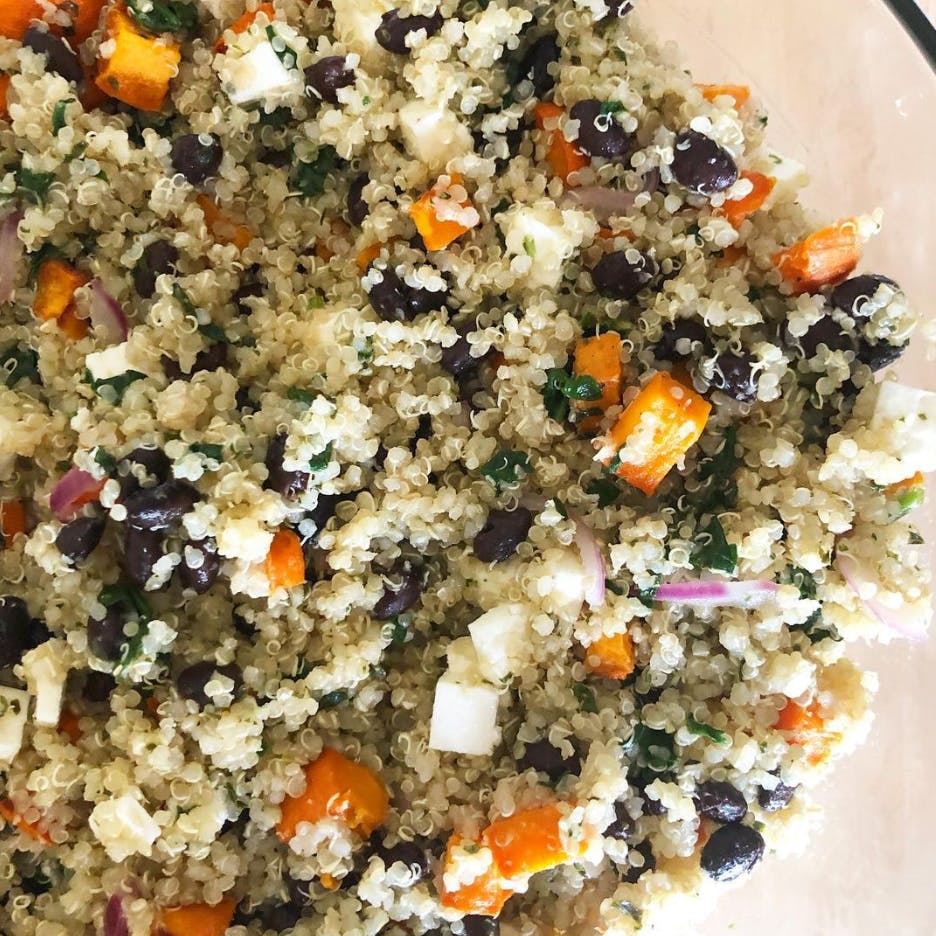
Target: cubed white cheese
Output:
{"points": [[356, 23], [905, 418], [561, 582], [544, 237], [46, 673], [111, 362], [433, 134], [14, 704], [123, 827], [464, 718], [463, 665], [501, 639], [258, 75]]}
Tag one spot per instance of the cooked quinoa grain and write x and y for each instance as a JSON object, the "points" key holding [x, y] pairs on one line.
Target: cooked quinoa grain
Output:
{"points": [[441, 473]]}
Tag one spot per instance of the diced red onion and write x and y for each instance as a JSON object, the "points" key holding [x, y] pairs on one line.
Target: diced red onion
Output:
{"points": [[605, 203], [75, 488], [11, 254], [115, 920], [107, 318], [909, 620], [593, 563], [713, 594]]}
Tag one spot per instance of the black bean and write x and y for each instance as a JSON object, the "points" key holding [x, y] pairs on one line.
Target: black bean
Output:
{"points": [[402, 589], [299, 891], [619, 8], [423, 432], [279, 917], [537, 63], [599, 132], [421, 301], [276, 158], [395, 301], [826, 332], [622, 825], [316, 561], [142, 550], [246, 291], [159, 507], [623, 273], [60, 57], [106, 635], [732, 851], [358, 209], [634, 873], [394, 30], [475, 925], [192, 680], [78, 539], [324, 510], [701, 165], [545, 758], [197, 156], [212, 358], [201, 579], [158, 257], [776, 799], [409, 854], [720, 801], [680, 339], [457, 359], [853, 296], [14, 630], [880, 355], [288, 484], [98, 686], [325, 77], [734, 376], [156, 462], [503, 532]]}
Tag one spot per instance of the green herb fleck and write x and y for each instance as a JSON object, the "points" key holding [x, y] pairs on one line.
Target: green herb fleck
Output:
{"points": [[286, 55], [163, 16], [615, 589], [647, 596], [706, 731], [561, 387], [105, 460], [113, 387], [915, 539], [46, 252], [586, 698], [316, 301], [625, 906], [366, 100], [400, 630], [33, 185], [321, 461], [471, 848], [605, 490], [277, 119], [762, 120], [184, 300], [17, 363], [500, 207], [561, 508], [718, 491], [611, 107], [209, 450], [309, 178], [333, 699], [58, 115], [653, 748], [301, 395], [529, 247], [713, 550], [366, 354], [908, 500], [215, 333], [506, 467]]}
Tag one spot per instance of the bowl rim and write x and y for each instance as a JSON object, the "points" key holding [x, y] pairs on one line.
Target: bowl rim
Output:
{"points": [[918, 24]]}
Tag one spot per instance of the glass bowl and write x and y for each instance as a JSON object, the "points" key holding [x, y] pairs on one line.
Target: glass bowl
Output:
{"points": [[850, 87]]}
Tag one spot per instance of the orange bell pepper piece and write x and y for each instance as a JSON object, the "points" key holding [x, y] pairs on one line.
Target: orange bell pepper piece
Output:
{"points": [[564, 158], [528, 841], [223, 228], [600, 359], [340, 788], [484, 896], [12, 520], [68, 725], [662, 424], [285, 563], [30, 829], [431, 214], [4, 91], [85, 16], [196, 919], [739, 209], [611, 657], [55, 288], [740, 93], [76, 328], [16, 15], [824, 257], [244, 22], [807, 728]]}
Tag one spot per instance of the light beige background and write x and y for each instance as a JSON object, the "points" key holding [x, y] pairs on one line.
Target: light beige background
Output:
{"points": [[850, 96]]}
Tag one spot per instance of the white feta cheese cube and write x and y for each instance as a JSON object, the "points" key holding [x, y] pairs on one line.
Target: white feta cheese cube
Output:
{"points": [[46, 673], [123, 827], [111, 362], [14, 704], [463, 664], [905, 418], [501, 639], [433, 134], [356, 23], [258, 75], [464, 718]]}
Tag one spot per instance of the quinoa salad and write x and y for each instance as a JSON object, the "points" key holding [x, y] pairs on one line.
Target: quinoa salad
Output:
{"points": [[442, 469]]}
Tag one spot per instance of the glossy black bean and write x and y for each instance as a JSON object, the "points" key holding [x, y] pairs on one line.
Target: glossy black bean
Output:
{"points": [[324, 510], [880, 355], [776, 799], [731, 852], [14, 630], [720, 801], [680, 339], [623, 273], [78, 539], [423, 432], [421, 301], [142, 550], [503, 532], [457, 359], [599, 134], [159, 507], [246, 291], [98, 686], [409, 854], [395, 32], [316, 562], [212, 358], [106, 635], [326, 77], [288, 484], [60, 57], [622, 824], [619, 8], [542, 756], [156, 462], [853, 296], [389, 297], [537, 65], [826, 332], [402, 590], [201, 579], [358, 209], [197, 156], [475, 925], [636, 871], [734, 376], [158, 257], [191, 681], [279, 917], [300, 892], [701, 165]]}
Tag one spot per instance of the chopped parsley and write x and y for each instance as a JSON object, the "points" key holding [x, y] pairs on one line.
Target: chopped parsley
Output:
{"points": [[184, 300], [215, 332], [718, 490], [163, 16], [611, 107], [283, 52], [333, 699], [529, 247], [309, 178], [605, 490], [561, 387], [128, 598], [113, 388], [585, 698], [706, 731], [561, 508], [105, 460], [506, 467], [33, 185], [647, 596], [652, 748], [209, 450], [366, 354], [808, 590], [908, 500], [400, 630], [277, 119], [18, 363], [58, 115], [301, 395], [915, 539], [321, 461], [712, 549]]}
